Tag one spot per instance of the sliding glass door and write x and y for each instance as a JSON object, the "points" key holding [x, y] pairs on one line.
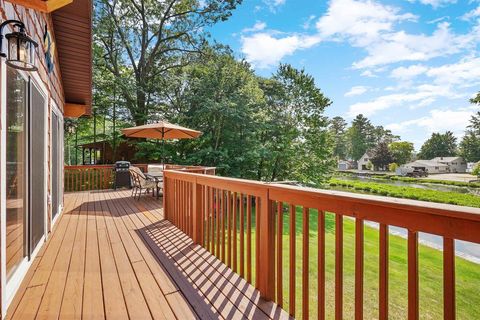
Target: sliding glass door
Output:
{"points": [[57, 163], [17, 123], [26, 169], [38, 166]]}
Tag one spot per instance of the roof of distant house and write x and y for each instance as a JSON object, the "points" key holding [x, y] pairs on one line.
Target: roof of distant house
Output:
{"points": [[430, 163], [446, 159]]}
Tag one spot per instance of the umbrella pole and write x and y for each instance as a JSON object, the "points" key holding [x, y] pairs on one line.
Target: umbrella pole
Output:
{"points": [[163, 152]]}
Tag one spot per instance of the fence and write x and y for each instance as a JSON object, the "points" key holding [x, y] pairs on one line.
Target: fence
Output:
{"points": [[243, 223]]}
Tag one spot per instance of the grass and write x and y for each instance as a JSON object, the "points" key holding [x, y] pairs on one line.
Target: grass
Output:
{"points": [[430, 265], [462, 199]]}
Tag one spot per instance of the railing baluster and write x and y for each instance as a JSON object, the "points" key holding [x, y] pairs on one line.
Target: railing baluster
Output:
{"points": [[235, 213], [305, 248], [279, 254], [249, 239], [207, 213], [358, 269], [222, 224], [449, 279], [257, 241], [229, 226], [383, 273], [293, 258], [321, 265], [242, 236], [412, 275], [338, 267]]}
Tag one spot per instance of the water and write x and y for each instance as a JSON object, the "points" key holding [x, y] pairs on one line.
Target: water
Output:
{"points": [[427, 186], [467, 250]]}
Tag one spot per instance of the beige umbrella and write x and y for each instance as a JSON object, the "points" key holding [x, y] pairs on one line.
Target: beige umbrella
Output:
{"points": [[161, 130]]}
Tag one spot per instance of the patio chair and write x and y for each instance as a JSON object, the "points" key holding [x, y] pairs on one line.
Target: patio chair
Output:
{"points": [[140, 182]]}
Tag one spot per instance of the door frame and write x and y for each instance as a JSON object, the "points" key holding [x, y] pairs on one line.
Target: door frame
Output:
{"points": [[55, 109]]}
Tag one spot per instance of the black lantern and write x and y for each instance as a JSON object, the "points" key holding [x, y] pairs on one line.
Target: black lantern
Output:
{"points": [[20, 48]]}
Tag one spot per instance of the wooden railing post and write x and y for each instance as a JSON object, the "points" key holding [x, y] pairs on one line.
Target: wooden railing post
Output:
{"points": [[266, 263], [165, 195], [197, 213]]}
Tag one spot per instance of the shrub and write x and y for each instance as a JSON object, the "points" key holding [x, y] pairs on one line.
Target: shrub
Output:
{"points": [[476, 170], [393, 167]]}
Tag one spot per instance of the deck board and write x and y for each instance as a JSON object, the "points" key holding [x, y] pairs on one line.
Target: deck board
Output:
{"points": [[112, 257]]}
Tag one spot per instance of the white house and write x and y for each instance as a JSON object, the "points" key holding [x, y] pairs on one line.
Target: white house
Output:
{"points": [[344, 165], [455, 164], [429, 166], [362, 163]]}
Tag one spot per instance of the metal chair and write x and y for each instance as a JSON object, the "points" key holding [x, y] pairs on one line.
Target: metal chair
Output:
{"points": [[140, 182]]}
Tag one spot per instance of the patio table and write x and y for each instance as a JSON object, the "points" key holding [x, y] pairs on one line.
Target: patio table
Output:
{"points": [[158, 178]]}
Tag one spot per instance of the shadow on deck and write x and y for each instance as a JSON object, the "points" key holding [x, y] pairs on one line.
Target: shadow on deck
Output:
{"points": [[110, 256]]}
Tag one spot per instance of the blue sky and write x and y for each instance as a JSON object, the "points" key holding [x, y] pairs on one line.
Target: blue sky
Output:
{"points": [[409, 65]]}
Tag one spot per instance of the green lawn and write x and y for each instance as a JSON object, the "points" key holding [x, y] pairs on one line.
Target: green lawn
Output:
{"points": [[430, 263]]}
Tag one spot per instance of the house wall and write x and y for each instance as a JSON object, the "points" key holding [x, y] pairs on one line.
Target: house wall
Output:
{"points": [[35, 23], [363, 162]]}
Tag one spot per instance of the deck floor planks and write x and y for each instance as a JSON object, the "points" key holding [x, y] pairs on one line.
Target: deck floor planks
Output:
{"points": [[116, 258], [92, 307], [115, 305], [152, 293], [175, 299], [27, 307]]}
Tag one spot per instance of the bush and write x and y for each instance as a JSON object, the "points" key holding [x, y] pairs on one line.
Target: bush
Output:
{"points": [[476, 170], [393, 167]]}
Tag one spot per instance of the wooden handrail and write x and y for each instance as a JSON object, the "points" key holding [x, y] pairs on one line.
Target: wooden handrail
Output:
{"points": [[202, 206]]}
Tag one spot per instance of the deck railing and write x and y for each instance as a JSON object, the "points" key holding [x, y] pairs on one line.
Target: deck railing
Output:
{"points": [[99, 177], [242, 223]]}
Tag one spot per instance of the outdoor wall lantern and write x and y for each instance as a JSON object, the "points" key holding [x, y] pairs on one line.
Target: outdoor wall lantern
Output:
{"points": [[20, 48]]}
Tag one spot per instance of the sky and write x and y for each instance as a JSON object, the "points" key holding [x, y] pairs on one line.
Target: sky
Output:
{"points": [[409, 65]]}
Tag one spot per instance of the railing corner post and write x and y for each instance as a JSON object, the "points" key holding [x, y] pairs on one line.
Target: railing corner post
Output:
{"points": [[197, 213], [164, 197], [266, 265]]}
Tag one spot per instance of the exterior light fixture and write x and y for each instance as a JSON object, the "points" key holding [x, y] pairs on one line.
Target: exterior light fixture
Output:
{"points": [[20, 48]]}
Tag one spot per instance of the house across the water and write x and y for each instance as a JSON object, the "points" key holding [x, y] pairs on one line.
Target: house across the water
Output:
{"points": [[439, 165]]}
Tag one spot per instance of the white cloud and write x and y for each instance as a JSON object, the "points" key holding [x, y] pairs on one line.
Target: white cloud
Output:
{"points": [[475, 13], [359, 21], [422, 96], [274, 4], [401, 46], [458, 120], [356, 91], [264, 50], [258, 26], [465, 73], [434, 3], [308, 22], [405, 73]]}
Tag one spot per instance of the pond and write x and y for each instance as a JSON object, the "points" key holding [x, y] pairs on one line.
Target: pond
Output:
{"points": [[466, 250], [428, 186]]}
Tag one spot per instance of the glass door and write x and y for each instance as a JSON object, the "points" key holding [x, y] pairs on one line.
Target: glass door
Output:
{"points": [[56, 170], [38, 167], [17, 142]]}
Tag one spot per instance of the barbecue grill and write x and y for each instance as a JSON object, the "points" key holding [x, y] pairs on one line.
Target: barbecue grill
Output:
{"points": [[122, 175]]}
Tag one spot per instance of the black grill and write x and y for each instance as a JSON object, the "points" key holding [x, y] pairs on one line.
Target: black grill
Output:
{"points": [[122, 175]]}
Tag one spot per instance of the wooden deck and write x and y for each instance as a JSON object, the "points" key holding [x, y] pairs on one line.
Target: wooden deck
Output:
{"points": [[113, 257]]}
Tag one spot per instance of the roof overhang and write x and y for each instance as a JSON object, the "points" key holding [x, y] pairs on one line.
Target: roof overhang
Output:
{"points": [[42, 5], [73, 36]]}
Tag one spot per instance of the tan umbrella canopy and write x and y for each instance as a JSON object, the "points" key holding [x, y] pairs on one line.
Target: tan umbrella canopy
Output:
{"points": [[161, 130]]}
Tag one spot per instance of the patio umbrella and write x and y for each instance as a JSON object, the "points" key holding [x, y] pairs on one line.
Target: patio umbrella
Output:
{"points": [[161, 130]]}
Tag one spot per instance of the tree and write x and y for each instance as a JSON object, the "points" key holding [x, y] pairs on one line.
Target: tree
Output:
{"points": [[439, 145], [469, 147], [402, 151], [360, 137], [337, 130], [141, 41], [381, 156]]}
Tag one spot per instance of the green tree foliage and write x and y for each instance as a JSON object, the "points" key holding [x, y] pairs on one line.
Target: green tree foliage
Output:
{"points": [[439, 145], [140, 41], [360, 137], [402, 151], [469, 147], [381, 156], [338, 129]]}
